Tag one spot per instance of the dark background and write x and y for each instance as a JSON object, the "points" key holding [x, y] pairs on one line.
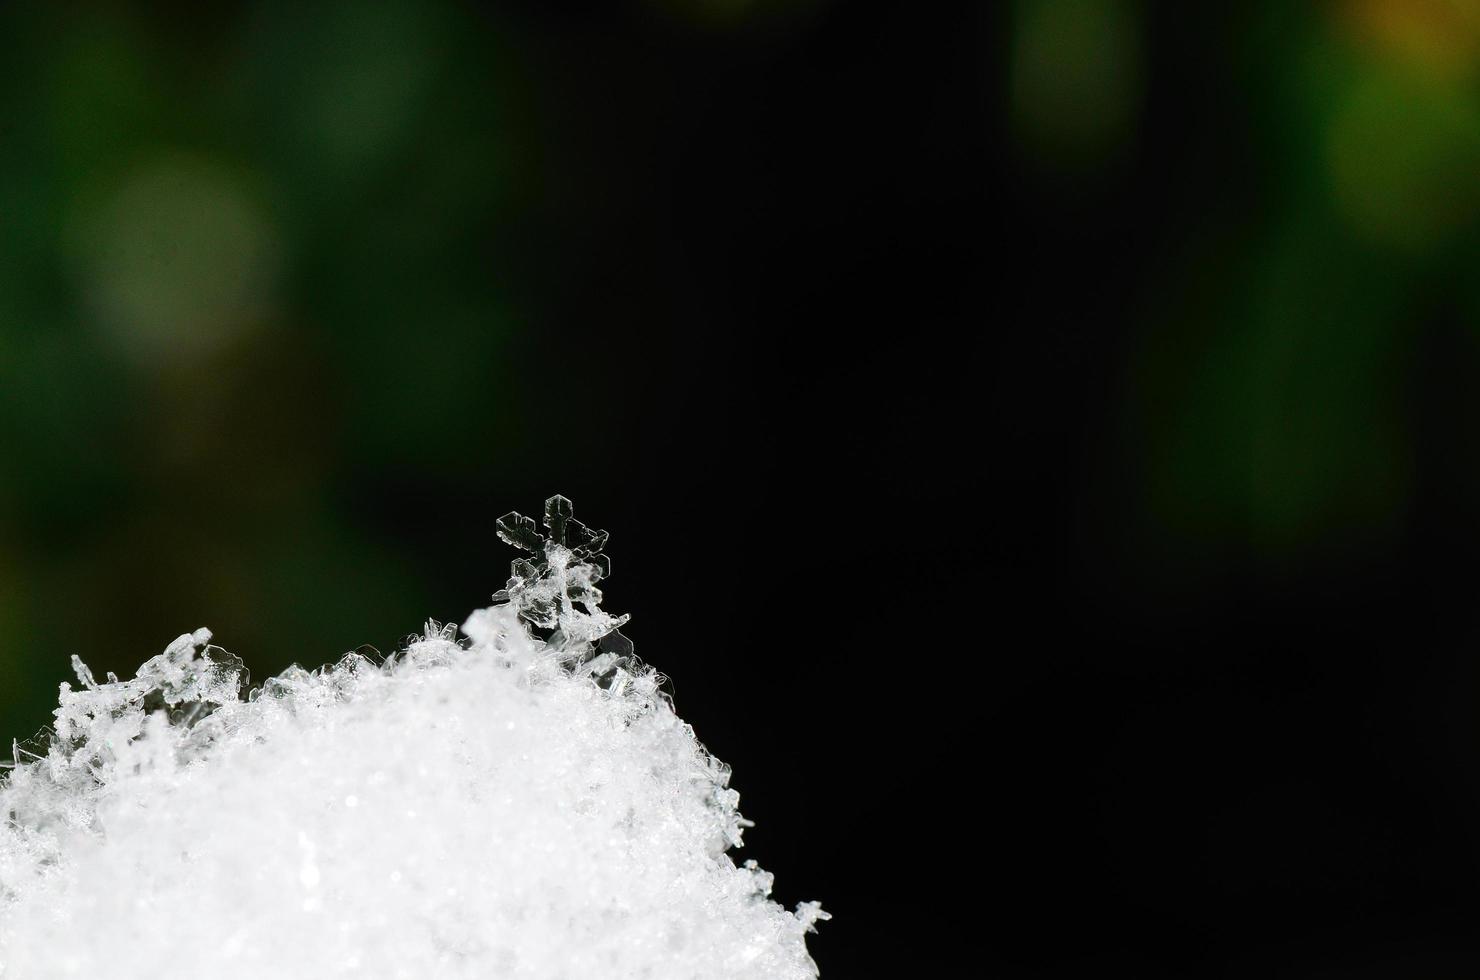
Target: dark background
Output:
{"points": [[1038, 438]]}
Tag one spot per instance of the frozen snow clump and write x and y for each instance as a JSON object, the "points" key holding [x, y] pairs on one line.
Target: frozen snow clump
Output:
{"points": [[515, 799]]}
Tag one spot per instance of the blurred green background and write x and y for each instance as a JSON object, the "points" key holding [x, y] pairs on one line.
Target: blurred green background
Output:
{"points": [[1138, 310], [246, 267], [262, 261]]}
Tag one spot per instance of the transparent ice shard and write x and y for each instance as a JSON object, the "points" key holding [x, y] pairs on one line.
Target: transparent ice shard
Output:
{"points": [[554, 591]]}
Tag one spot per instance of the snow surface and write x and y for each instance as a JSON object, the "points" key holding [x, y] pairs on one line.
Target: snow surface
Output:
{"points": [[495, 804]]}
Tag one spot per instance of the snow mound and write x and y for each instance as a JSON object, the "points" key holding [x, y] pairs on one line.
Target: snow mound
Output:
{"points": [[518, 800]]}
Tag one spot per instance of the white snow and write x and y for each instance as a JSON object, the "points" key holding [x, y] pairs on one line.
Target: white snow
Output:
{"points": [[491, 805]]}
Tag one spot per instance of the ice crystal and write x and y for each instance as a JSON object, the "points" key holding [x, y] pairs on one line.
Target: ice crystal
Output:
{"points": [[516, 798], [556, 590]]}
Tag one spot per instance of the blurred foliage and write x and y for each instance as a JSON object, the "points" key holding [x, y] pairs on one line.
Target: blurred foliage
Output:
{"points": [[1076, 81], [257, 261], [243, 270], [1272, 387]]}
